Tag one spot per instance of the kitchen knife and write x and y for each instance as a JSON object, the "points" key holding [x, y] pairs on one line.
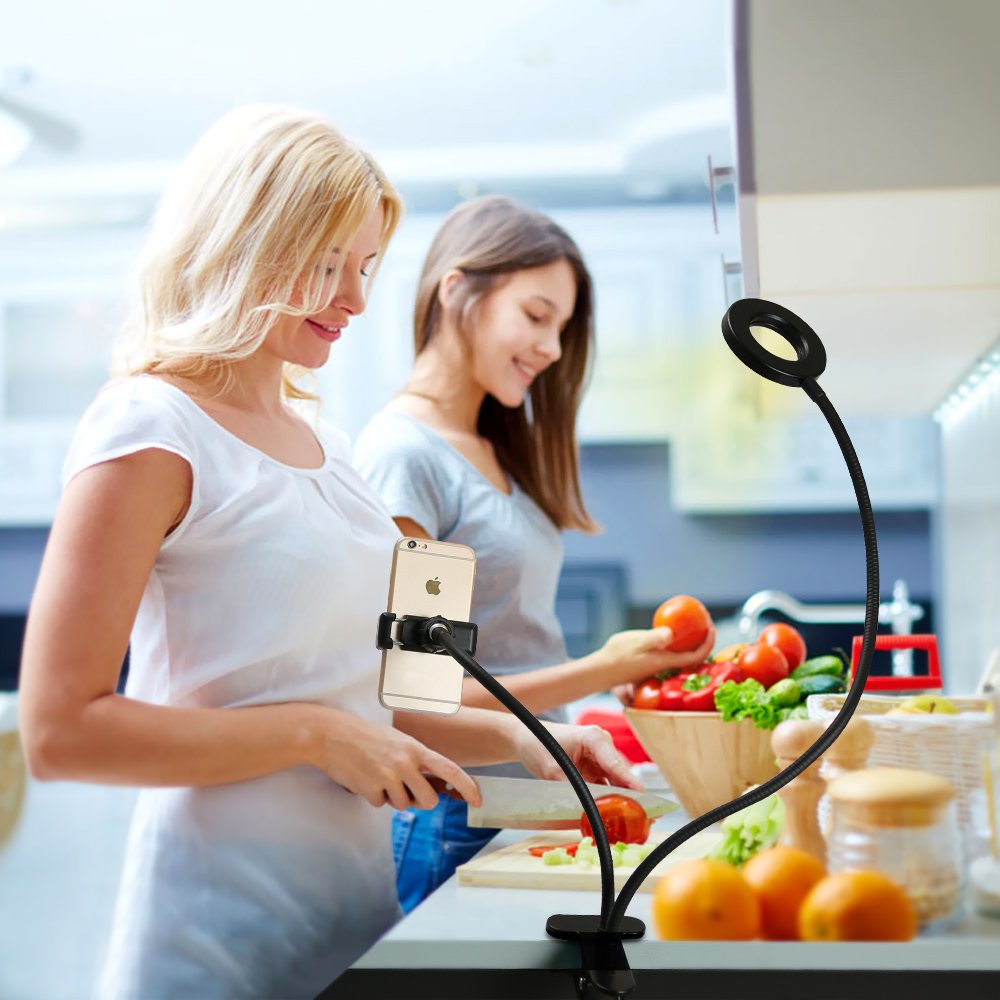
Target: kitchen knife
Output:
{"points": [[533, 804]]}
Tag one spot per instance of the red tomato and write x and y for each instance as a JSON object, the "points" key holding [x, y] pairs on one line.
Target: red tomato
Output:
{"points": [[647, 694], [623, 818], [763, 663], [687, 618], [671, 698], [789, 640]]}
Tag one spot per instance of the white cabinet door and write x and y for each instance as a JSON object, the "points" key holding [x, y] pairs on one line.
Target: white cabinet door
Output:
{"points": [[659, 302], [761, 465], [62, 303]]}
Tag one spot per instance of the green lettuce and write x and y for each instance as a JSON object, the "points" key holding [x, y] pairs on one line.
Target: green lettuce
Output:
{"points": [[747, 700]]}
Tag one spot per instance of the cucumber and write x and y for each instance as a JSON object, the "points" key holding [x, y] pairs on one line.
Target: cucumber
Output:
{"points": [[785, 693], [822, 684], [830, 665]]}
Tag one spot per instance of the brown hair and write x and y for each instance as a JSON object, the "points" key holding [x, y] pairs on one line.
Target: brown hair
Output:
{"points": [[489, 239]]}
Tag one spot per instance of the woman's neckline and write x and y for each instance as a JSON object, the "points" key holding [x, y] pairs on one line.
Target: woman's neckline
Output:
{"points": [[437, 434], [306, 469]]}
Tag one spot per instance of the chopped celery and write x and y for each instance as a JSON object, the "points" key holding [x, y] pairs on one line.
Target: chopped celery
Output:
{"points": [[557, 856]]}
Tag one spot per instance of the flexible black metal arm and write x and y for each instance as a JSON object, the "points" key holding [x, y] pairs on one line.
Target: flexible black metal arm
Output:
{"points": [[836, 727], [438, 632]]}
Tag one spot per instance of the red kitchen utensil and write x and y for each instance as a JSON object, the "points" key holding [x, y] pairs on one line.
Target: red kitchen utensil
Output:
{"points": [[893, 682], [617, 727]]}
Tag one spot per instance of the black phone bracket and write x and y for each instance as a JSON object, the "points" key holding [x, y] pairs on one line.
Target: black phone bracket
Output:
{"points": [[413, 633]]}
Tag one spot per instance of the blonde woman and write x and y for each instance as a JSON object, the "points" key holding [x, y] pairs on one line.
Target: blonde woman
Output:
{"points": [[480, 448], [248, 561]]}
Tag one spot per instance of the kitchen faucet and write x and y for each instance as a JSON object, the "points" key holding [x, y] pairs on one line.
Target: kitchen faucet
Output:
{"points": [[899, 613]]}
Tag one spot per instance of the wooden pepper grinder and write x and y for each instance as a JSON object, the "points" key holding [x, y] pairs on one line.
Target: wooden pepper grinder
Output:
{"points": [[848, 753], [801, 795]]}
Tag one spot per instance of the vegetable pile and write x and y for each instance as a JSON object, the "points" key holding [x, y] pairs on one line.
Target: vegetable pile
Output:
{"points": [[766, 681]]}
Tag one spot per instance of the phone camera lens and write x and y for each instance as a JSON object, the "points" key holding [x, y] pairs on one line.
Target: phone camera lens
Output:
{"points": [[411, 544]]}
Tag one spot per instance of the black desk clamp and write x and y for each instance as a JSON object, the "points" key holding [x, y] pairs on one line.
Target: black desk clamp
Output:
{"points": [[604, 968]]}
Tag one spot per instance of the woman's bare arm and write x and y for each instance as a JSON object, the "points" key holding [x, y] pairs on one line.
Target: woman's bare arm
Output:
{"points": [[104, 542], [627, 656]]}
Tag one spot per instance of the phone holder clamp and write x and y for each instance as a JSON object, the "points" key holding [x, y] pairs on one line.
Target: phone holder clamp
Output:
{"points": [[415, 633]]}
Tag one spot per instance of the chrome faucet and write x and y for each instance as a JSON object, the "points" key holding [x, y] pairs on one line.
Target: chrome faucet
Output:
{"points": [[899, 614]]}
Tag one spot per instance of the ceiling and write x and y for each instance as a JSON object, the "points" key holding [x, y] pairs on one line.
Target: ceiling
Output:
{"points": [[581, 99]]}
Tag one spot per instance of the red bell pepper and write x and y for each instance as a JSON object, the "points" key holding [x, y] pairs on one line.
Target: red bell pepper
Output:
{"points": [[671, 699], [702, 700], [728, 672]]}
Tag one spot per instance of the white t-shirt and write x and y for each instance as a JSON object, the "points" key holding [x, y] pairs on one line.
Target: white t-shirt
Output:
{"points": [[268, 591]]}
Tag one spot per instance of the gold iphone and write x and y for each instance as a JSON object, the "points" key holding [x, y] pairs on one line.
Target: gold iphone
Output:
{"points": [[428, 578]]}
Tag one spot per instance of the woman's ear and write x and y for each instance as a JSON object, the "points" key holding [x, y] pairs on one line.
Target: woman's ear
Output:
{"points": [[448, 288]]}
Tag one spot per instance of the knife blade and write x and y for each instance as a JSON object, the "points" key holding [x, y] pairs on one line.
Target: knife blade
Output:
{"points": [[533, 804]]}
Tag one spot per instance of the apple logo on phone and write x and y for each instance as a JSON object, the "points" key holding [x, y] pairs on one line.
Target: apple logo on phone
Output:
{"points": [[433, 586]]}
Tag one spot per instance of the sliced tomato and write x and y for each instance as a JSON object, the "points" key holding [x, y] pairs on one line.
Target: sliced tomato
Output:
{"points": [[623, 819], [570, 849]]}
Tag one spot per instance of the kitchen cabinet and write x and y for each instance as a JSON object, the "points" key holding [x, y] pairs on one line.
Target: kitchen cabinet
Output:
{"points": [[768, 464], [868, 166], [868, 192]]}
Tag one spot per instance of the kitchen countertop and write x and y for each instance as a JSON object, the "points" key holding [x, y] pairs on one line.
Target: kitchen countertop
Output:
{"points": [[470, 941]]}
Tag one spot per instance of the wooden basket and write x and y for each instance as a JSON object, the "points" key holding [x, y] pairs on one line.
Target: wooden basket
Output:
{"points": [[705, 761], [951, 746]]}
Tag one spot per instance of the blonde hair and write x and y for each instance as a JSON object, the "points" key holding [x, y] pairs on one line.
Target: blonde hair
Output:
{"points": [[241, 236], [488, 239]]}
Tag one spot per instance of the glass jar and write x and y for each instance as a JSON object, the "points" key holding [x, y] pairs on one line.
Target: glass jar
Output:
{"points": [[902, 823]]}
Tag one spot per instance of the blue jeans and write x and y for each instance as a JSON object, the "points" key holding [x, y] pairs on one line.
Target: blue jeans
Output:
{"points": [[429, 844]]}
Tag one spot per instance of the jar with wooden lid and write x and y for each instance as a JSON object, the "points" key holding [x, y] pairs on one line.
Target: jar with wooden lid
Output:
{"points": [[902, 823]]}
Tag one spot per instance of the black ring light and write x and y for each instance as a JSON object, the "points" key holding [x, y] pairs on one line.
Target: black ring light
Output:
{"points": [[810, 360]]}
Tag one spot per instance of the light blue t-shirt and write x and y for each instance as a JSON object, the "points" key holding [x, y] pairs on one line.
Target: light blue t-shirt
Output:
{"points": [[519, 551]]}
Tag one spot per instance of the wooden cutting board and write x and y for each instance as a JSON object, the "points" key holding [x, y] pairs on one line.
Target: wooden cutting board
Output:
{"points": [[512, 867]]}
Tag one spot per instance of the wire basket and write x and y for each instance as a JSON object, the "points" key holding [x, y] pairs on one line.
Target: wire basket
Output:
{"points": [[952, 746]]}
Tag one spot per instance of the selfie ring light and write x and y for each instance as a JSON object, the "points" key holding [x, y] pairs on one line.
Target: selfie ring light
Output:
{"points": [[605, 970]]}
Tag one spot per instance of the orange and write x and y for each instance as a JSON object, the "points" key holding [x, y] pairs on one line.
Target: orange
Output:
{"points": [[705, 900], [782, 877], [857, 906]]}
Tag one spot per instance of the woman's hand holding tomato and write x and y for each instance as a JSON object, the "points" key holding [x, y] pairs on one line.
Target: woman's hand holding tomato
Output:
{"points": [[689, 621], [637, 654]]}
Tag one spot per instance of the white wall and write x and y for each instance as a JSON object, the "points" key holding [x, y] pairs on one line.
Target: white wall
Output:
{"points": [[969, 535]]}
